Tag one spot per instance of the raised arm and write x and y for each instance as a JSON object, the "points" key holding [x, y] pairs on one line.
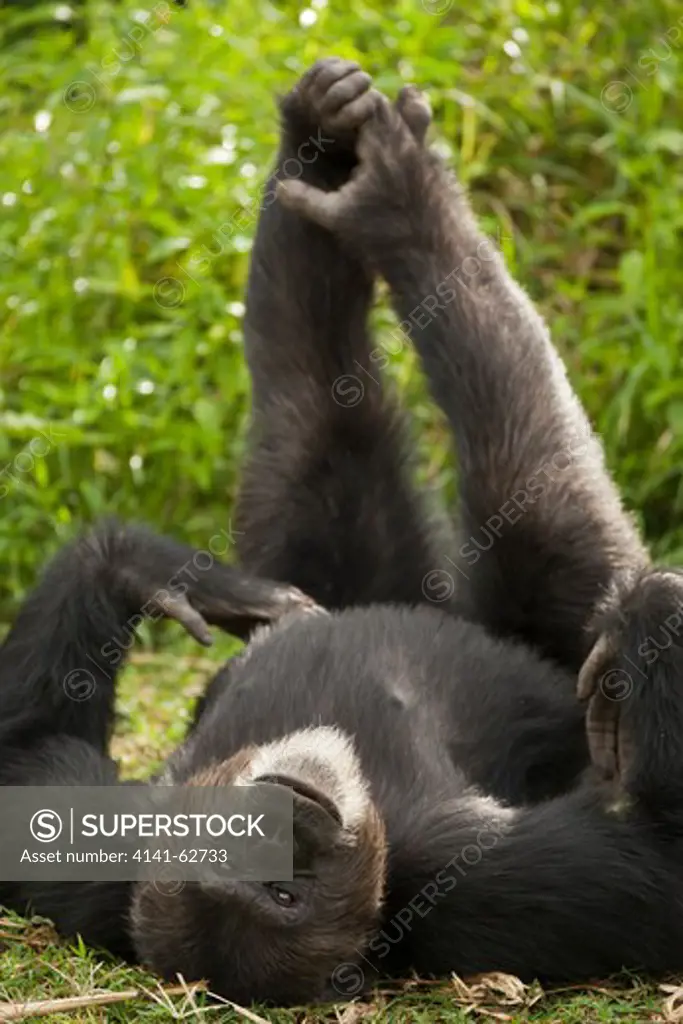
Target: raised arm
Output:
{"points": [[58, 670], [59, 662], [543, 529]]}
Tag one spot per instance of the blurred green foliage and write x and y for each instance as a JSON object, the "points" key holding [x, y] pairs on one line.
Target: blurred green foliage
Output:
{"points": [[134, 135]]}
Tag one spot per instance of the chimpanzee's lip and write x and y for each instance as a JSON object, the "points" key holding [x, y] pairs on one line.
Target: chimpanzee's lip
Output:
{"points": [[305, 790]]}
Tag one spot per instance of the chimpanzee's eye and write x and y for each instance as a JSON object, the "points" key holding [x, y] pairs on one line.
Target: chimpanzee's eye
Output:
{"points": [[281, 895]]}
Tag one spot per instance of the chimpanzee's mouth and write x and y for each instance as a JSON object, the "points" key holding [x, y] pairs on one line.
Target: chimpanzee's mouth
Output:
{"points": [[305, 790]]}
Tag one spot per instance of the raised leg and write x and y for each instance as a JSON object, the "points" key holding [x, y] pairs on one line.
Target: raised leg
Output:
{"points": [[544, 532], [326, 501]]}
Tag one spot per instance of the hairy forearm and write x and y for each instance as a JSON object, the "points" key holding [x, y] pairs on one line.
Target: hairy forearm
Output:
{"points": [[561, 891], [59, 662]]}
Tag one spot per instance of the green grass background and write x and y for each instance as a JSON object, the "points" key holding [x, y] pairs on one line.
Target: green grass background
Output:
{"points": [[132, 390], [134, 139]]}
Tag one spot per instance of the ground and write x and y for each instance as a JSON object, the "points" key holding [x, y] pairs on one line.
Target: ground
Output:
{"points": [[156, 697]]}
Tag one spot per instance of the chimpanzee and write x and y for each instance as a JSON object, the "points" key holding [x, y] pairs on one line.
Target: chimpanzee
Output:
{"points": [[463, 808]]}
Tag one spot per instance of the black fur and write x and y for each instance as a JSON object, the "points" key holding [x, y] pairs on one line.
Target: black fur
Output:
{"points": [[505, 849], [58, 669]]}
